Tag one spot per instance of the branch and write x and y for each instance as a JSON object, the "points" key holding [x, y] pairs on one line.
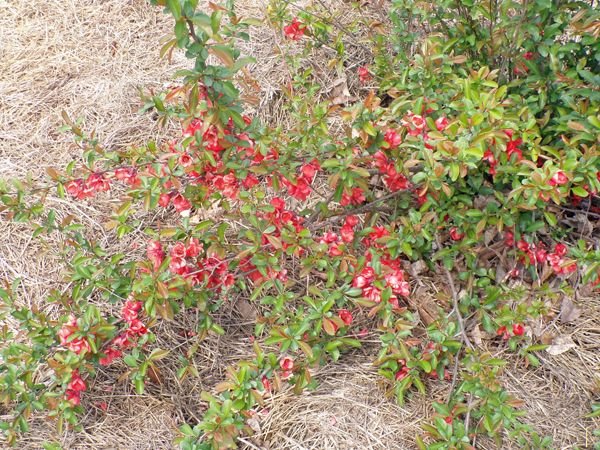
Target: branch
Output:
{"points": [[361, 209]]}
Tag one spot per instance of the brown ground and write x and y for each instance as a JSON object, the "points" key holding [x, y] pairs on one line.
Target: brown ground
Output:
{"points": [[88, 57]]}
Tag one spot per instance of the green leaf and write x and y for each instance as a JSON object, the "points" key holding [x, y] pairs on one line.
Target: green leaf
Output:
{"points": [[579, 191], [175, 7]]}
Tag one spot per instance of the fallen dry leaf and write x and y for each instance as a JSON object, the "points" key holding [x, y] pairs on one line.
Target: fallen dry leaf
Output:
{"points": [[568, 311], [254, 424], [560, 345], [245, 308], [476, 336]]}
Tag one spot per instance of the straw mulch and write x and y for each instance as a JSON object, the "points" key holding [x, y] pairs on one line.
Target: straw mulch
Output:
{"points": [[88, 57]]}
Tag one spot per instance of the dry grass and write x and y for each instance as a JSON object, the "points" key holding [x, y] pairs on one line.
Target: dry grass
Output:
{"points": [[88, 57], [348, 410]]}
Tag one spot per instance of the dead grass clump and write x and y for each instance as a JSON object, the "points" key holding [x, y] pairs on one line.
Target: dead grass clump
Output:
{"points": [[88, 57], [129, 422], [82, 56], [348, 410]]}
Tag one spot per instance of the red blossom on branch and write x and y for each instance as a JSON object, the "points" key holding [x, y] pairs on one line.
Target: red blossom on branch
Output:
{"points": [[295, 30]]}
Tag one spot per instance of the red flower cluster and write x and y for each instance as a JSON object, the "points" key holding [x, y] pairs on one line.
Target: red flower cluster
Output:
{"points": [[333, 241], [130, 315], [392, 138], [558, 179], [517, 330], [250, 271], [355, 197], [100, 182], [347, 230], [209, 271], [300, 188], [392, 179], [393, 277], [491, 159], [415, 124], [537, 254], [128, 175], [155, 254], [294, 30], [512, 147], [81, 189], [282, 218], [441, 123], [77, 345], [74, 389]]}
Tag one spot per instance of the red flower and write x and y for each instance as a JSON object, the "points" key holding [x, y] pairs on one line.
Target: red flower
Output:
{"points": [[195, 125], [392, 138], [250, 181], [360, 282], [155, 253], [110, 355], [185, 160], [502, 331], [540, 255], [512, 148], [455, 235], [403, 372], [346, 316], [130, 310], [351, 221], [558, 179], [294, 30], [178, 266], [182, 204], [518, 329], [76, 384], [178, 250], [441, 123], [79, 345], [528, 55], [266, 383], [193, 248], [98, 182], [395, 182], [372, 293], [286, 363], [164, 200], [396, 281], [414, 122], [523, 246], [136, 326], [127, 175], [561, 249], [356, 197], [363, 74], [73, 396], [122, 341], [347, 234], [310, 170], [74, 388]]}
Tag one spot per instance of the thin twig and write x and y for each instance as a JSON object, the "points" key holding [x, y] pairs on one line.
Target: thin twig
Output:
{"points": [[580, 211], [361, 209]]}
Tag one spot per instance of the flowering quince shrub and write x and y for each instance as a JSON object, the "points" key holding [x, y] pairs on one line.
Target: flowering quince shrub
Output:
{"points": [[464, 157]]}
